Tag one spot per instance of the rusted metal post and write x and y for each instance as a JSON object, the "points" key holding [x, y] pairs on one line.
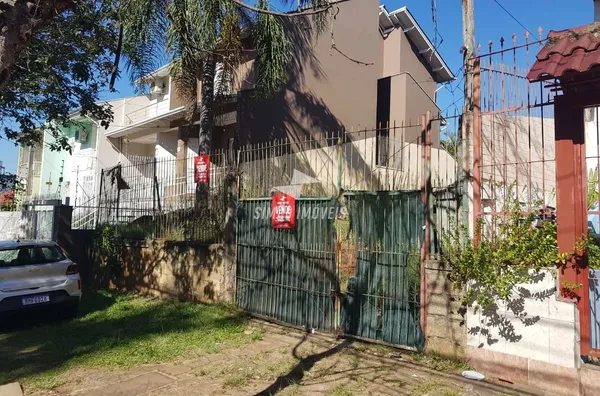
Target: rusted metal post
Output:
{"points": [[476, 148]]}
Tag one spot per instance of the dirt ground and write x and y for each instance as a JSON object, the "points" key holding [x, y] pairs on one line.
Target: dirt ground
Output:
{"points": [[286, 362]]}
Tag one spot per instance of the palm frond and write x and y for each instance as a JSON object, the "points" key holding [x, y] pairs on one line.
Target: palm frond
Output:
{"points": [[273, 52], [145, 25]]}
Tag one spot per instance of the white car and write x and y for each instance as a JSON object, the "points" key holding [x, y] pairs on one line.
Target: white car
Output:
{"points": [[37, 273]]}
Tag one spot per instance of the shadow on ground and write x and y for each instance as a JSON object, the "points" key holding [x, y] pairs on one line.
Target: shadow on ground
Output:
{"points": [[114, 330], [33, 317], [297, 373]]}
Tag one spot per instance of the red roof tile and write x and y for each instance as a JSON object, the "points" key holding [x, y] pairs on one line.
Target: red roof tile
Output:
{"points": [[571, 50]]}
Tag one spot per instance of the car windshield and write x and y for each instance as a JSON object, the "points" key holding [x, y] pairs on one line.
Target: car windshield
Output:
{"points": [[30, 255]]}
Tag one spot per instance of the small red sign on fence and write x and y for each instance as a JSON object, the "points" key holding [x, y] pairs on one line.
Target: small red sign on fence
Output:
{"points": [[202, 169], [283, 211]]}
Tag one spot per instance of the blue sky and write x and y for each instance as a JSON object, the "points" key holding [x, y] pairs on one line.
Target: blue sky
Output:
{"points": [[491, 24]]}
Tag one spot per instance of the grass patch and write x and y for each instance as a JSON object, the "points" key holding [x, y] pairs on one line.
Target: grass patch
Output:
{"points": [[421, 389], [237, 380], [291, 390], [440, 363], [340, 390], [450, 392], [263, 366], [433, 386], [117, 331]]}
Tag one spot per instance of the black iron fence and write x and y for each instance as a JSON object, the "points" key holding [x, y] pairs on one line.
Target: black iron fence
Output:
{"points": [[159, 198]]}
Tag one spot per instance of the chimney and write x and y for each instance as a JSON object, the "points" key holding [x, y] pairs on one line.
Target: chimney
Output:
{"points": [[596, 10]]}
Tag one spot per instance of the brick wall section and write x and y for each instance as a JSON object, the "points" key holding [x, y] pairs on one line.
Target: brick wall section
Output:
{"points": [[446, 328]]}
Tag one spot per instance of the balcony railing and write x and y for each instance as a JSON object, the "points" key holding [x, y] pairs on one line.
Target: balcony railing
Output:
{"points": [[147, 112]]}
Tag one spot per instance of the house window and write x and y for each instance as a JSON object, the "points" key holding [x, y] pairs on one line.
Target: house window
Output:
{"points": [[384, 90]]}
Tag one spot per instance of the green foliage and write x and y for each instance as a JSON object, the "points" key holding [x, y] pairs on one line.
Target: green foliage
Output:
{"points": [[492, 268], [11, 189], [107, 245], [64, 68], [450, 142], [274, 52], [117, 331], [193, 33], [413, 272], [592, 249], [592, 189]]}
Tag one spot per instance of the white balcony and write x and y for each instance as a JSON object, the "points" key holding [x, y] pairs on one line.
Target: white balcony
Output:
{"points": [[147, 112]]}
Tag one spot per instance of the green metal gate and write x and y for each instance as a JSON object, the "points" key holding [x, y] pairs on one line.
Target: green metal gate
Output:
{"points": [[294, 275], [383, 298], [288, 275]]}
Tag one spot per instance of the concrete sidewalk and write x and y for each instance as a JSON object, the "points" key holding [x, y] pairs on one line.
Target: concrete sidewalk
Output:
{"points": [[284, 362], [12, 389]]}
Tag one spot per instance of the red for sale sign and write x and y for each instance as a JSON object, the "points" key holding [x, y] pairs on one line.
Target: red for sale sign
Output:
{"points": [[283, 211], [202, 169]]}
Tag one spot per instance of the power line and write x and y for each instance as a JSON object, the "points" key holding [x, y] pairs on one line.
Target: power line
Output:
{"points": [[512, 16]]}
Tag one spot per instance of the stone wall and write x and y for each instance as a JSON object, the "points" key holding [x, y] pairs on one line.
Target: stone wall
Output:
{"points": [[446, 331], [187, 271]]}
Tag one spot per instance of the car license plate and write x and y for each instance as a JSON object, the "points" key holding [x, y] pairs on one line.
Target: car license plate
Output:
{"points": [[35, 300]]}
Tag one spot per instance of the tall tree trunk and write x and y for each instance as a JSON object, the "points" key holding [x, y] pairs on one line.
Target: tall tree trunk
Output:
{"points": [[207, 112], [207, 120], [19, 20]]}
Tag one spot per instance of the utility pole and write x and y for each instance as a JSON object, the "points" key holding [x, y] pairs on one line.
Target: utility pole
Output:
{"points": [[468, 51]]}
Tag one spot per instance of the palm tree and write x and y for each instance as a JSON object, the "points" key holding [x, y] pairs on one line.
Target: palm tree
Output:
{"points": [[450, 142], [207, 39]]}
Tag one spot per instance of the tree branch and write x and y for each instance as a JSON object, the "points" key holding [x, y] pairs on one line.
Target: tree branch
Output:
{"points": [[115, 69], [282, 14]]}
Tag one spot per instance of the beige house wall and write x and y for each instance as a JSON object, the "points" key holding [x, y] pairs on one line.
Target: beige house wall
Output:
{"points": [[359, 169], [518, 160]]}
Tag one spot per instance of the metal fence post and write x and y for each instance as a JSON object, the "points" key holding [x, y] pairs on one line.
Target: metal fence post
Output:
{"points": [[339, 164], [154, 186], [99, 198]]}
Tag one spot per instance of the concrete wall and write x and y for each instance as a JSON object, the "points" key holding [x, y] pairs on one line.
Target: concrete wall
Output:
{"points": [[446, 331], [166, 145], [532, 340], [27, 224]]}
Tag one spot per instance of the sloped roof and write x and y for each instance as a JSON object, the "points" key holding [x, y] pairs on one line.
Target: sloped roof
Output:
{"points": [[571, 50], [403, 19]]}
